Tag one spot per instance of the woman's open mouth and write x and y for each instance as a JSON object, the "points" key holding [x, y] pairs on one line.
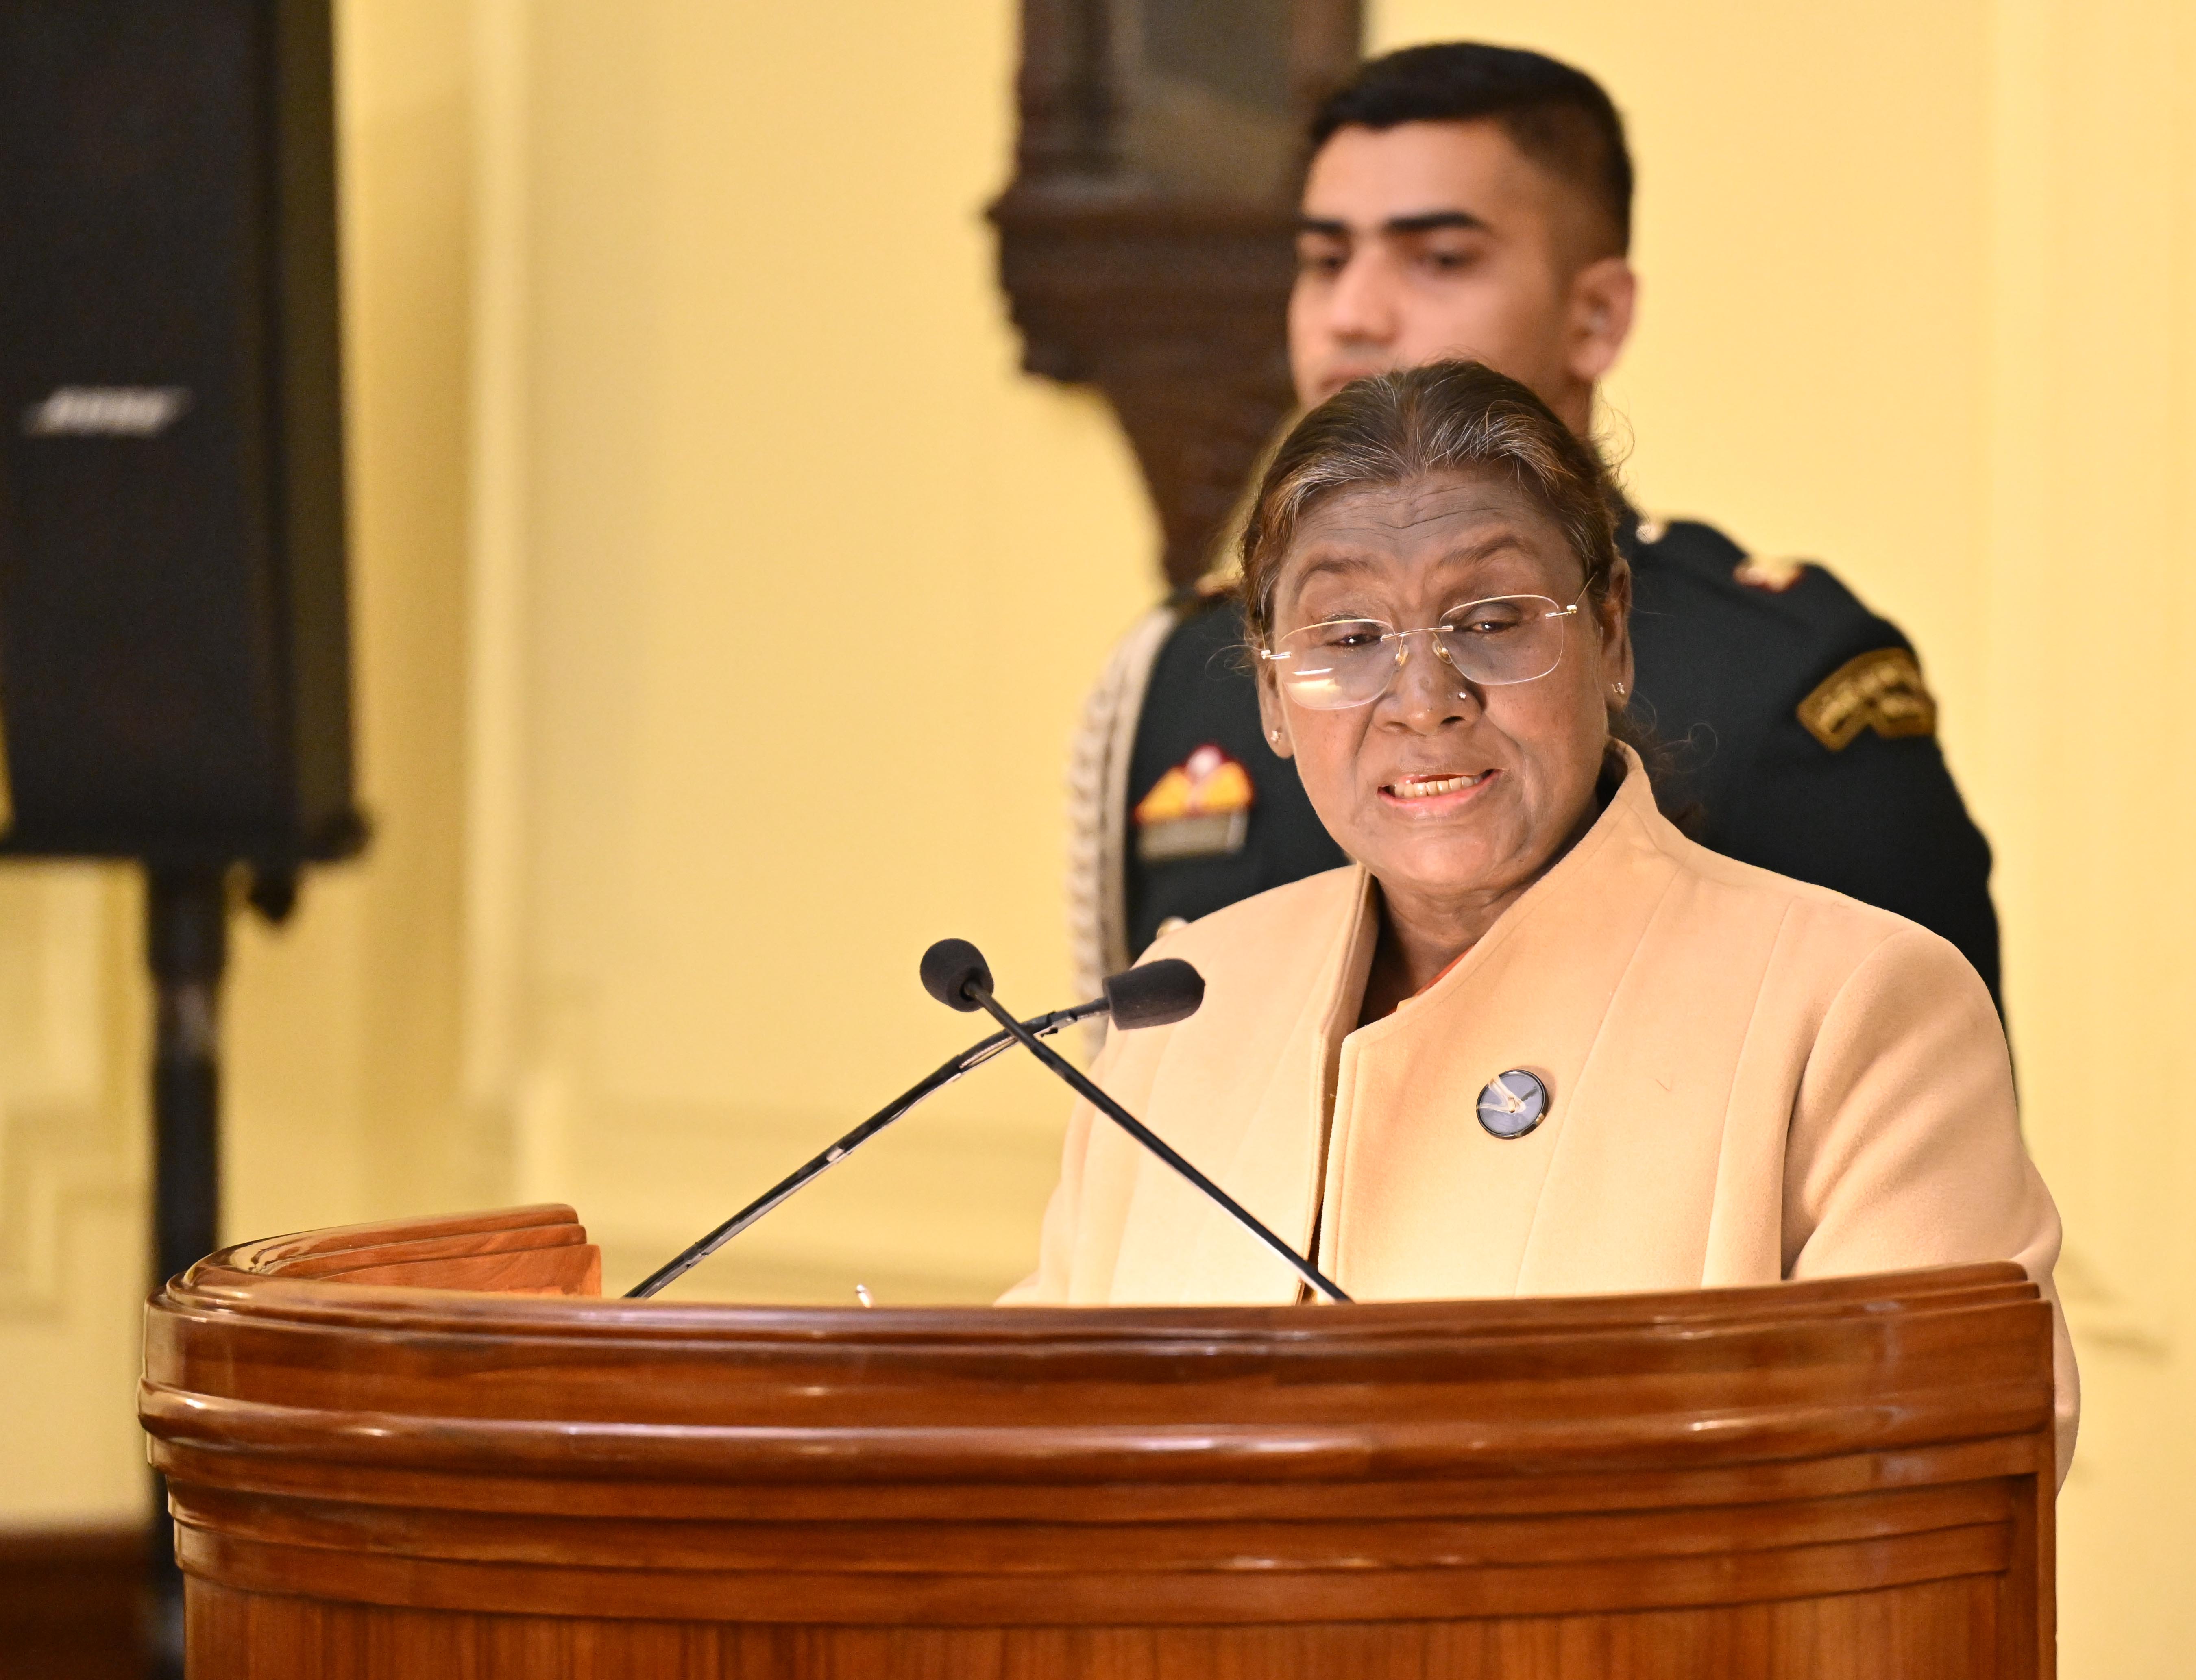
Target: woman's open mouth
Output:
{"points": [[1412, 789]]}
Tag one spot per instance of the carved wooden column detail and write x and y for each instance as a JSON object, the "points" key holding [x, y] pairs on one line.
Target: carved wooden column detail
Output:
{"points": [[1145, 242]]}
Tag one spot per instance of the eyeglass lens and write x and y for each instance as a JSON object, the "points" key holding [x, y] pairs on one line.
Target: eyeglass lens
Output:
{"points": [[1513, 638]]}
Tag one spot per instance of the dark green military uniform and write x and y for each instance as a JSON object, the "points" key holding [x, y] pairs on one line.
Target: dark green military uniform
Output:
{"points": [[1798, 738]]}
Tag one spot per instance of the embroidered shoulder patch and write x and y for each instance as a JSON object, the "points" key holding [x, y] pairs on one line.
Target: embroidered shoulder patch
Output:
{"points": [[1881, 691], [1201, 808], [1774, 575]]}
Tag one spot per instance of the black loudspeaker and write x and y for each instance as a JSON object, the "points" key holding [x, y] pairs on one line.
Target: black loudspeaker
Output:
{"points": [[174, 679]]}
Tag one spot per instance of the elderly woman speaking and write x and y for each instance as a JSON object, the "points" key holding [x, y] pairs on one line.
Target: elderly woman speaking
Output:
{"points": [[1533, 1040]]}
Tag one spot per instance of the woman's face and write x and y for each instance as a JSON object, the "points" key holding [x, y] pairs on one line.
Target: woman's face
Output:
{"points": [[1512, 766]]}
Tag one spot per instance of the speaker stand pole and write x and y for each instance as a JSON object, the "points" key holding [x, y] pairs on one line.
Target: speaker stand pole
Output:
{"points": [[186, 949]]}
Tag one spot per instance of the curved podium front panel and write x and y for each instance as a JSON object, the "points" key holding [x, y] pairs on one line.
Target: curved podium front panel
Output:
{"points": [[431, 1450]]}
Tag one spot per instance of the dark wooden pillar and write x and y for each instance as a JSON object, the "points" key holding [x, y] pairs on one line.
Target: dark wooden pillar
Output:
{"points": [[1145, 242]]}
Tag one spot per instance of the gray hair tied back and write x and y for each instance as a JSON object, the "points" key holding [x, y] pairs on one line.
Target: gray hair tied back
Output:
{"points": [[1398, 428]]}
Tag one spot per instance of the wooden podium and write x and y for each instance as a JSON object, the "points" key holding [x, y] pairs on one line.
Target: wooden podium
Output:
{"points": [[429, 1450]]}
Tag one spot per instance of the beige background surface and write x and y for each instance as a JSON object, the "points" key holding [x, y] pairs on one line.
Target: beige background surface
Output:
{"points": [[726, 596]]}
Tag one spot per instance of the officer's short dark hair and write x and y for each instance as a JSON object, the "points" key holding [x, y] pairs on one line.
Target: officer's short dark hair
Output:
{"points": [[1396, 427], [1559, 117]]}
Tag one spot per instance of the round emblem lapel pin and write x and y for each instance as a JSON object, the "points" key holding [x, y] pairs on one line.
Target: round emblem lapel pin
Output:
{"points": [[1512, 1104]]}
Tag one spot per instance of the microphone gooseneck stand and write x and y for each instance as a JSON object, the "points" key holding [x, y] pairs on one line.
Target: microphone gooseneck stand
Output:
{"points": [[974, 1057], [953, 969]]}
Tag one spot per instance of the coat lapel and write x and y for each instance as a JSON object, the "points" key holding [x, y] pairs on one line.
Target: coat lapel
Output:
{"points": [[1422, 1200], [1252, 1086]]}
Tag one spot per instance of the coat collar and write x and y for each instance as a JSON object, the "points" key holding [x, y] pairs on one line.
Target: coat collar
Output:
{"points": [[1626, 825]]}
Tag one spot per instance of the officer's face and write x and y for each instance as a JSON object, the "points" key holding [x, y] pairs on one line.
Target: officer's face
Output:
{"points": [[1456, 796], [1437, 241]]}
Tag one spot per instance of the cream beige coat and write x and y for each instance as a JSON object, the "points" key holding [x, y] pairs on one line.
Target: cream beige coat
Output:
{"points": [[1749, 1079]]}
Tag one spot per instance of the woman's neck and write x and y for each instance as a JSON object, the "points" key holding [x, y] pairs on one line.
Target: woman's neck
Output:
{"points": [[1421, 936], [1414, 948]]}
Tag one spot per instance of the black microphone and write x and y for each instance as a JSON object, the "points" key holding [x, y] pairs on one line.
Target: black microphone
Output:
{"points": [[954, 972], [949, 969], [1153, 995]]}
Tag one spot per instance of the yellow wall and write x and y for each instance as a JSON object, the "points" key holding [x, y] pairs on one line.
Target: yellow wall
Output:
{"points": [[724, 597], [808, 583], [73, 1152]]}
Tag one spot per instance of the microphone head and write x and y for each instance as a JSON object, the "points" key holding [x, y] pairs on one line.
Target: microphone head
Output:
{"points": [[1154, 994], [950, 967]]}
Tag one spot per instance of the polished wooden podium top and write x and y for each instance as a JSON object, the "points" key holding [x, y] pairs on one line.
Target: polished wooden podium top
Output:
{"points": [[371, 1418]]}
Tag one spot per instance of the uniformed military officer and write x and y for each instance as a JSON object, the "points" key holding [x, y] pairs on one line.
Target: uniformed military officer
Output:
{"points": [[1468, 200]]}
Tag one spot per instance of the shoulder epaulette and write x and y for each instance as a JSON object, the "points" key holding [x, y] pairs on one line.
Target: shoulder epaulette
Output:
{"points": [[1757, 572]]}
